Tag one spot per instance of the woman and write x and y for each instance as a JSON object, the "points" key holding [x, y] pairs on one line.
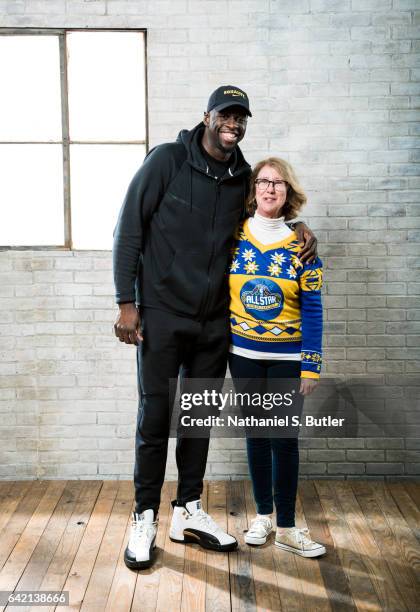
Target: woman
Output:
{"points": [[276, 325]]}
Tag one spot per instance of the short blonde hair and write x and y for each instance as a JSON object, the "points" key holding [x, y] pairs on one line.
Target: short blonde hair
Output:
{"points": [[296, 197]]}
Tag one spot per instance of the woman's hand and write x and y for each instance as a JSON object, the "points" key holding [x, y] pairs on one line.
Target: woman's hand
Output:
{"points": [[308, 385], [306, 237]]}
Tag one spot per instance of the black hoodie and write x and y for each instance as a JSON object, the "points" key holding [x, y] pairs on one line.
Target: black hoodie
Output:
{"points": [[174, 232]]}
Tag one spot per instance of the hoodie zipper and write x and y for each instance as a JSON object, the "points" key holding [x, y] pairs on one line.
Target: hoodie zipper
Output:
{"points": [[206, 301]]}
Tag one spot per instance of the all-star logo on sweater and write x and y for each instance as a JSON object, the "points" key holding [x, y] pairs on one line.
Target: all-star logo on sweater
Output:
{"points": [[262, 298]]}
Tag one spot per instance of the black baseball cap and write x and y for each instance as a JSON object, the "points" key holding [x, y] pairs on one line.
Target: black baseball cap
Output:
{"points": [[228, 95]]}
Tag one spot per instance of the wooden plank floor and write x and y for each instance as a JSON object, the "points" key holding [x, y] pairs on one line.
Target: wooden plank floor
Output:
{"points": [[71, 535]]}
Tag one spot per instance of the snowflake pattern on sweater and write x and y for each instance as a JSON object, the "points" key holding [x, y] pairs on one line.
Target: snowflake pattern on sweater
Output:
{"points": [[276, 302]]}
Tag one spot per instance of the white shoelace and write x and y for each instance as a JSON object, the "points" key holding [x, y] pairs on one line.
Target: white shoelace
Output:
{"points": [[207, 521], [143, 529], [301, 538], [260, 526]]}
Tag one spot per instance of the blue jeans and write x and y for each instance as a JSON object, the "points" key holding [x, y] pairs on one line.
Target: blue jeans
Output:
{"points": [[273, 462]]}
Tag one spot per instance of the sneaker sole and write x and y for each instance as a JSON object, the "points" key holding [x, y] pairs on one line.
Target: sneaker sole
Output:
{"points": [[138, 565], [302, 553], [255, 541], [204, 543]]}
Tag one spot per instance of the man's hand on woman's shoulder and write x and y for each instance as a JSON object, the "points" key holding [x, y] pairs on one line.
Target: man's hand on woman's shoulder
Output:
{"points": [[306, 237]]}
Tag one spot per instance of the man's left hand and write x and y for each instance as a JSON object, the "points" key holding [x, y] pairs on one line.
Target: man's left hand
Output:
{"points": [[306, 237]]}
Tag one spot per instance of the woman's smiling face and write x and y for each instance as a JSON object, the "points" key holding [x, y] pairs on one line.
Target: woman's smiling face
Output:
{"points": [[270, 192]]}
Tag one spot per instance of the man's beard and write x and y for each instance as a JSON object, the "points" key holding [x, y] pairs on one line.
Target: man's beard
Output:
{"points": [[223, 149]]}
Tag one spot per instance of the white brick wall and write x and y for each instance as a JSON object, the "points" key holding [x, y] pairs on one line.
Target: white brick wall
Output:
{"points": [[334, 88]]}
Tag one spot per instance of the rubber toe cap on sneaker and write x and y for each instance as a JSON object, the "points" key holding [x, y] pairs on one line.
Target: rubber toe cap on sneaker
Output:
{"points": [[228, 542], [254, 539], [132, 563]]}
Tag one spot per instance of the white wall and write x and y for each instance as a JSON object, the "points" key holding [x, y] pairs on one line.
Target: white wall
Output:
{"points": [[333, 86]]}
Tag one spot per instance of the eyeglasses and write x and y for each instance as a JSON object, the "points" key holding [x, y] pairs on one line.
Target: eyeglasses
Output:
{"points": [[263, 184]]}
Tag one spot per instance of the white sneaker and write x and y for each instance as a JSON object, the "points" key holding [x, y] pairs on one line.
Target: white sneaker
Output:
{"points": [[191, 524], [259, 530], [142, 541], [297, 541]]}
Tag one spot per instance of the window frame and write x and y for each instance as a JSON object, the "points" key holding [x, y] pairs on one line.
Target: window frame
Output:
{"points": [[65, 141]]}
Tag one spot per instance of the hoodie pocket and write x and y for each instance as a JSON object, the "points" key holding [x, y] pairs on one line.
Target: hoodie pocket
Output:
{"points": [[182, 287], [178, 199]]}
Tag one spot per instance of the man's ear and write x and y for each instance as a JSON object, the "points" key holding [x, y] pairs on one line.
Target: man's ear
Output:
{"points": [[206, 118]]}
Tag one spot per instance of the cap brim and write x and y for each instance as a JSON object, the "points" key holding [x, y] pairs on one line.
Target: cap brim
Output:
{"points": [[228, 104]]}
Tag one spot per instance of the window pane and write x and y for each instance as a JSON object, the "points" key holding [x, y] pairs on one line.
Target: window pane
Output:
{"points": [[30, 106], [100, 175], [31, 195], [106, 85]]}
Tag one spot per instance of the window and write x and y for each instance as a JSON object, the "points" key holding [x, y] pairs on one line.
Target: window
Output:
{"points": [[72, 134]]}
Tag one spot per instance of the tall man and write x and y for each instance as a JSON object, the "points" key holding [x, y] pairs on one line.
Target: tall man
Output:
{"points": [[171, 250]]}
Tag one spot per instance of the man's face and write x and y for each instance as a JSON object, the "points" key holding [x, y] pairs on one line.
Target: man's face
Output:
{"points": [[225, 128]]}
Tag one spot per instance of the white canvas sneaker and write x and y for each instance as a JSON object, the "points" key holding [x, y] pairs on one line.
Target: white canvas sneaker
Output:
{"points": [[259, 530], [191, 524], [142, 541], [298, 541]]}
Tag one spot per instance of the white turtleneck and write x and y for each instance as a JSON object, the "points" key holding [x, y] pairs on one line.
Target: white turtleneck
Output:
{"points": [[267, 230]]}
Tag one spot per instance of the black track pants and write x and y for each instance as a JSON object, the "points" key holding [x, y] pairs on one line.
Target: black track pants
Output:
{"points": [[172, 345]]}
